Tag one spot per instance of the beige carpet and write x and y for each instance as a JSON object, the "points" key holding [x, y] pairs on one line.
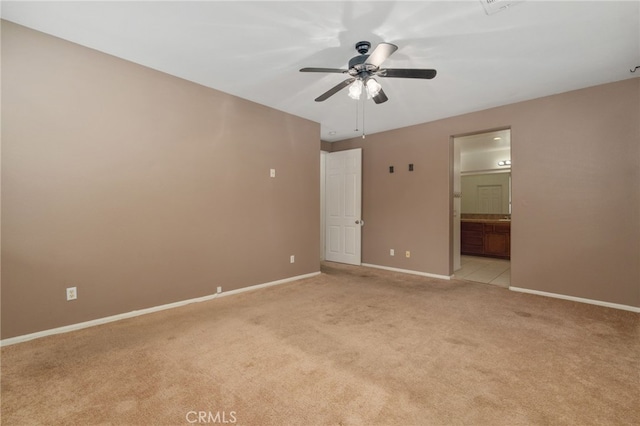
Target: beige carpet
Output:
{"points": [[353, 346]]}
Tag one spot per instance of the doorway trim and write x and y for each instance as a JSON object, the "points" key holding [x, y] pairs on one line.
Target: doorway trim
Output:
{"points": [[454, 178]]}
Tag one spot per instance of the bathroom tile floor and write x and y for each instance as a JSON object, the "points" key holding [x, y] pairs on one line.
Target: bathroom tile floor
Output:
{"points": [[485, 270]]}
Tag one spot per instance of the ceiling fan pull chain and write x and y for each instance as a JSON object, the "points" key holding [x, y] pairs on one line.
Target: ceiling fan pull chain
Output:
{"points": [[356, 129], [363, 100]]}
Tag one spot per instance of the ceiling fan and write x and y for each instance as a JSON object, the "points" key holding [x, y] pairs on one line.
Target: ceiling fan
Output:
{"points": [[362, 70]]}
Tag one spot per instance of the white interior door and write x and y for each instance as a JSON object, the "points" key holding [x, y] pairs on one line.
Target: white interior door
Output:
{"points": [[457, 205], [323, 158], [343, 206]]}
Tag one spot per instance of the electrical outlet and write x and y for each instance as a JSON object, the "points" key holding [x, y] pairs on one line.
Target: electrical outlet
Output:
{"points": [[392, 252], [292, 259], [219, 290], [72, 293], [407, 254], [272, 172]]}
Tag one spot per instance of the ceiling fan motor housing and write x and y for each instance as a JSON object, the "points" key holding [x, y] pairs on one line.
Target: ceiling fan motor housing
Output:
{"points": [[359, 68], [357, 60]]}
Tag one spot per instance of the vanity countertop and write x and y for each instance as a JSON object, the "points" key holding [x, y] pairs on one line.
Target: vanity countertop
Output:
{"points": [[486, 220]]}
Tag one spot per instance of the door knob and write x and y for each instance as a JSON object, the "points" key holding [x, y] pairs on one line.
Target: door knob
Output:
{"points": [[360, 222], [357, 222]]}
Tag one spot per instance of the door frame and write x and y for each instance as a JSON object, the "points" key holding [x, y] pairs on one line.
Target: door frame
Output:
{"points": [[454, 173], [323, 160]]}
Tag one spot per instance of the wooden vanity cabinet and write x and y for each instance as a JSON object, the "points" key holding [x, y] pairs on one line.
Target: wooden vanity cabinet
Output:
{"points": [[497, 240], [471, 238], [492, 239]]}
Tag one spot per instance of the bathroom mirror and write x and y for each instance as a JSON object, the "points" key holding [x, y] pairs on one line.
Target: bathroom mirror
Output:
{"points": [[486, 193]]}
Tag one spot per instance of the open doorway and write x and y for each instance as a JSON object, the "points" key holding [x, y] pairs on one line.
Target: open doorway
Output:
{"points": [[481, 207]]}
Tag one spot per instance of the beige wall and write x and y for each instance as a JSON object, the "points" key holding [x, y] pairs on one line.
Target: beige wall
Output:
{"points": [[575, 189], [140, 188], [143, 189], [326, 146]]}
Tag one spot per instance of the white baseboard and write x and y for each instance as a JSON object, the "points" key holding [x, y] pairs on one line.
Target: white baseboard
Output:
{"points": [[118, 317], [408, 271], [577, 299]]}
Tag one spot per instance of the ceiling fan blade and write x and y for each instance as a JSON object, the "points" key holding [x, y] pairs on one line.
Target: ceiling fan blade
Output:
{"points": [[335, 89], [381, 52], [407, 73], [332, 70], [380, 97]]}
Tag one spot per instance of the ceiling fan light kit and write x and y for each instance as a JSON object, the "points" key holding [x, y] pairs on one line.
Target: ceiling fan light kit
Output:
{"points": [[364, 67], [373, 87], [355, 90]]}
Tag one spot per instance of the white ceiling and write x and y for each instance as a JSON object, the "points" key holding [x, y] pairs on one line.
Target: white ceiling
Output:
{"points": [[255, 49], [499, 140], [482, 151]]}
